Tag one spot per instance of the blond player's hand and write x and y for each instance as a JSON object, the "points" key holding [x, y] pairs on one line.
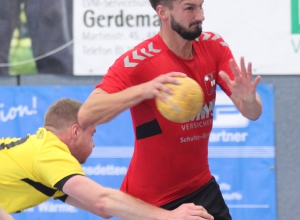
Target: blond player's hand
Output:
{"points": [[154, 87], [190, 211]]}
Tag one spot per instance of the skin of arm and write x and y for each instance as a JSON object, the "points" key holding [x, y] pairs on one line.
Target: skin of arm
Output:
{"points": [[73, 202], [243, 89], [4, 215], [101, 107], [250, 110], [105, 202]]}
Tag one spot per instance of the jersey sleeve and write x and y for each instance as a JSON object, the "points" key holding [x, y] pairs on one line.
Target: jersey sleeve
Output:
{"points": [[223, 55], [117, 78], [54, 163]]}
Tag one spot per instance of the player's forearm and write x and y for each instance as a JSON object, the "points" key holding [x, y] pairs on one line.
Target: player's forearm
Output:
{"points": [[4, 215], [129, 208], [73, 202], [110, 202], [101, 107], [251, 110]]}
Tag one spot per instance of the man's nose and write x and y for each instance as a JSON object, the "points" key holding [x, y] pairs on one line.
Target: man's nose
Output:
{"points": [[200, 15]]}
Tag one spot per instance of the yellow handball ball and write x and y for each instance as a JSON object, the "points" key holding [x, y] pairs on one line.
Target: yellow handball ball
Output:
{"points": [[185, 103]]}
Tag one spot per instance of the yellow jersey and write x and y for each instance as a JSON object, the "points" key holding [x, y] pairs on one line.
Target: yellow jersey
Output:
{"points": [[30, 167]]}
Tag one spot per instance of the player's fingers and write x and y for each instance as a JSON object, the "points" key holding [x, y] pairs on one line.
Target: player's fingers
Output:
{"points": [[163, 96], [174, 74], [256, 81], [225, 77], [162, 92], [171, 78], [243, 67], [163, 79], [234, 68], [206, 216], [249, 71], [203, 216], [201, 211]]}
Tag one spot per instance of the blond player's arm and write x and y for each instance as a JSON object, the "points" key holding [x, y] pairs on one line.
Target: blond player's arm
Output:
{"points": [[74, 202], [4, 215], [106, 202], [101, 107]]}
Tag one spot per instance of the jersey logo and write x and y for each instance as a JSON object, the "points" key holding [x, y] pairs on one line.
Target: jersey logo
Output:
{"points": [[40, 134], [213, 37], [143, 54], [210, 83]]}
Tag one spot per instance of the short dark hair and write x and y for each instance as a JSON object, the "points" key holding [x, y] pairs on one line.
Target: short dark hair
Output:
{"points": [[62, 114], [167, 3]]}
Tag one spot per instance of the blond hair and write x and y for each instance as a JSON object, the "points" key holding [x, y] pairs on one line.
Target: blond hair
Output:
{"points": [[62, 114]]}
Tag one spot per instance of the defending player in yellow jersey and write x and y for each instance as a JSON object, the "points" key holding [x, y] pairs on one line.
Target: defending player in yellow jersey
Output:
{"points": [[47, 165]]}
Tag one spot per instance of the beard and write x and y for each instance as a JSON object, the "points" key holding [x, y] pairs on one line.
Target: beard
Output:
{"points": [[184, 32]]}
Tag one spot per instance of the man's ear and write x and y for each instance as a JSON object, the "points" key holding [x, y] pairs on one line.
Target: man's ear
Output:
{"points": [[163, 12], [75, 131]]}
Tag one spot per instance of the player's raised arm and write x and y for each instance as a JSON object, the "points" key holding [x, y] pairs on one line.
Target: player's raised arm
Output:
{"points": [[101, 107], [107, 202]]}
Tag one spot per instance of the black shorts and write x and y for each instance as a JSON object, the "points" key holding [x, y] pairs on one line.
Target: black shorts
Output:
{"points": [[208, 196]]}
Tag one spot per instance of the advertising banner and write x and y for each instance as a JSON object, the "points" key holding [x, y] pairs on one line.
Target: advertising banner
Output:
{"points": [[85, 37], [106, 29], [267, 35], [241, 152]]}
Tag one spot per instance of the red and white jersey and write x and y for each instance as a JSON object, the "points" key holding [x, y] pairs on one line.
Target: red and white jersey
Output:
{"points": [[170, 160]]}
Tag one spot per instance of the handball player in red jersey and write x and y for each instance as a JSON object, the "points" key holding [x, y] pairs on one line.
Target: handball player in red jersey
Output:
{"points": [[169, 165]]}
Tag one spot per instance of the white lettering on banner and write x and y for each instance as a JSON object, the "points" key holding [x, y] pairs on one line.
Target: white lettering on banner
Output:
{"points": [[29, 210], [229, 117], [226, 114], [117, 23], [52, 207], [227, 187], [225, 136], [19, 111], [108, 170], [232, 196]]}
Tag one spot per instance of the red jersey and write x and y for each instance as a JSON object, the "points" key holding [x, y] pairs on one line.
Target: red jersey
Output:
{"points": [[170, 160]]}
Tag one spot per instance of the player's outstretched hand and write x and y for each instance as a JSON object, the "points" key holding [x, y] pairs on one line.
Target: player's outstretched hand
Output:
{"points": [[191, 211], [153, 88], [242, 86]]}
